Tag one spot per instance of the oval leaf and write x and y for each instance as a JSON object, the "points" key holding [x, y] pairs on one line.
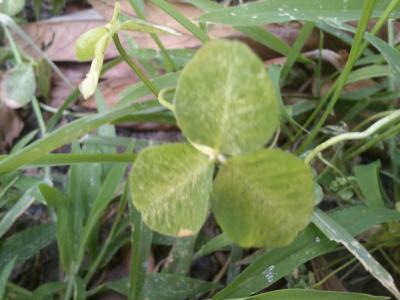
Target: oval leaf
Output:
{"points": [[263, 199], [18, 86], [225, 99], [171, 186]]}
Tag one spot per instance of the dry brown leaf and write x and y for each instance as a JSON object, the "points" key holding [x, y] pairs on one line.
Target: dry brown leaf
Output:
{"points": [[11, 126]]}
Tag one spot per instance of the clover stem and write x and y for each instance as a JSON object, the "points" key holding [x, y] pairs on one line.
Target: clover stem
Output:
{"points": [[133, 66], [353, 135]]}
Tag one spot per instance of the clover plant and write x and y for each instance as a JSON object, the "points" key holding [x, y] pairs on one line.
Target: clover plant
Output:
{"points": [[226, 107]]}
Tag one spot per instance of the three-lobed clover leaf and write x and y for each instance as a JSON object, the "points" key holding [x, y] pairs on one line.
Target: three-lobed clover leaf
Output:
{"points": [[225, 100], [225, 105], [92, 44], [263, 199], [171, 186]]}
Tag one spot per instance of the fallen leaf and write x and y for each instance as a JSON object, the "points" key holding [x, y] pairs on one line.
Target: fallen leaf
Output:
{"points": [[11, 126]]}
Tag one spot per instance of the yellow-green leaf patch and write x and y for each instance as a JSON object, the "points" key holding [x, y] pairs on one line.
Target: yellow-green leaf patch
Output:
{"points": [[225, 99], [171, 186], [263, 199]]}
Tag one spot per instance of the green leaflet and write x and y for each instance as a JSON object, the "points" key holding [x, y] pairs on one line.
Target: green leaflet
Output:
{"points": [[18, 86], [170, 186], [263, 199], [225, 100]]}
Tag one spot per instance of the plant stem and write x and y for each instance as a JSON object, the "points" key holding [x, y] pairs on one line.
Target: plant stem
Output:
{"points": [[353, 135], [14, 48], [133, 66], [70, 287], [169, 63]]}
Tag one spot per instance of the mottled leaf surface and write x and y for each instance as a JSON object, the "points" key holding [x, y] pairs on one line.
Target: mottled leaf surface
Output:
{"points": [[263, 199], [225, 99], [171, 185], [18, 86]]}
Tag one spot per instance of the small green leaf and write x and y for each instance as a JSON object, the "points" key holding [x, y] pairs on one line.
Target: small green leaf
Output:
{"points": [[86, 44], [263, 199], [12, 7], [225, 99], [170, 186], [18, 86], [89, 85]]}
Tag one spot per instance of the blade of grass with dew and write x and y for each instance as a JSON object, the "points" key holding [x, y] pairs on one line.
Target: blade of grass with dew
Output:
{"points": [[141, 238], [337, 233], [299, 294], [4, 275], [69, 132], [17, 210], [26, 243], [367, 177], [278, 11], [181, 19], [217, 243], [180, 256], [259, 34], [273, 265]]}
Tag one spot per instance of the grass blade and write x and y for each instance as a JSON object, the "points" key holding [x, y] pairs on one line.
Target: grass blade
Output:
{"points": [[141, 245], [18, 209], [215, 244], [26, 244], [367, 177], [278, 11], [4, 274], [337, 233]]}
